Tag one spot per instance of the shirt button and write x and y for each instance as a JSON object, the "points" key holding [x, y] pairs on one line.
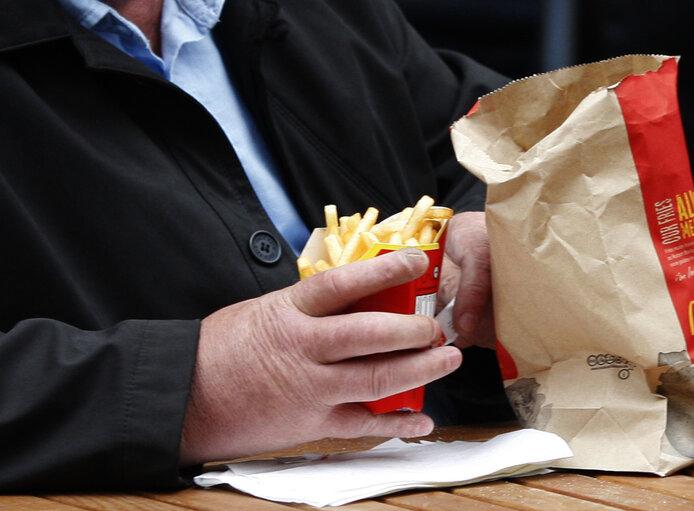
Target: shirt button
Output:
{"points": [[265, 247]]}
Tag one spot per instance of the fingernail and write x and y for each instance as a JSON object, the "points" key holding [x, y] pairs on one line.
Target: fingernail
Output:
{"points": [[440, 341], [423, 429], [414, 258], [455, 358], [413, 252]]}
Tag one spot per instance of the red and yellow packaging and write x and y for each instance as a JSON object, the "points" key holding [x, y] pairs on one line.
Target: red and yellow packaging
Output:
{"points": [[589, 201], [415, 297]]}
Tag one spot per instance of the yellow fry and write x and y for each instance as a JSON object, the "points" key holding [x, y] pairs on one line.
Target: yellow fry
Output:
{"points": [[427, 232], [405, 214], [342, 226], [361, 248], [439, 213], [417, 216], [321, 265], [368, 238], [305, 267], [349, 226], [386, 227], [331, 222], [353, 222], [348, 237], [333, 244], [395, 238], [383, 230], [400, 217], [349, 253]]}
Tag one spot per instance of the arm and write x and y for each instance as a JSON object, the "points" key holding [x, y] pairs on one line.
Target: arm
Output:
{"points": [[93, 409], [105, 409]]}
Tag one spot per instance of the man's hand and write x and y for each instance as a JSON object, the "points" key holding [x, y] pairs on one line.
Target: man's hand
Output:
{"points": [[466, 276], [290, 367]]}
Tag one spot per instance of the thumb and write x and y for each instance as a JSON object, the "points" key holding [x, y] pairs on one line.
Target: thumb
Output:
{"points": [[331, 291], [468, 247]]}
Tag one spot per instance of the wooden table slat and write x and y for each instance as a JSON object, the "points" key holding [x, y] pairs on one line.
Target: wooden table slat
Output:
{"points": [[607, 492], [113, 502], [361, 505], [526, 498], [441, 501], [557, 491], [214, 499], [678, 485], [32, 503]]}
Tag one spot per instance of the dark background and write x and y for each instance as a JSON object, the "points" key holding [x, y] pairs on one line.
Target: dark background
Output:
{"points": [[523, 37]]}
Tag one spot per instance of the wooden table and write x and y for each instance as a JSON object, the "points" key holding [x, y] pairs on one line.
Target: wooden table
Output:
{"points": [[559, 491]]}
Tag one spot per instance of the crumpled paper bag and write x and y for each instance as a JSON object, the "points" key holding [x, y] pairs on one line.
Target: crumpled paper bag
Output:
{"points": [[590, 205]]}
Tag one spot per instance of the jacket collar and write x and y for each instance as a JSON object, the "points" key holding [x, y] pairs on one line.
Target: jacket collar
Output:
{"points": [[36, 22], [26, 23]]}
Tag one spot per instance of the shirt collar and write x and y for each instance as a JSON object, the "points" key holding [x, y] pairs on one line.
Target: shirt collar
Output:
{"points": [[185, 21], [90, 12], [204, 13], [182, 21]]}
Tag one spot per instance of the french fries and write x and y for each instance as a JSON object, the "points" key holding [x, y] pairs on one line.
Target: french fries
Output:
{"points": [[348, 238]]}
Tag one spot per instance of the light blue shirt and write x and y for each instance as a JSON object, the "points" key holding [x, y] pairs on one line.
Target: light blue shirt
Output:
{"points": [[190, 59]]}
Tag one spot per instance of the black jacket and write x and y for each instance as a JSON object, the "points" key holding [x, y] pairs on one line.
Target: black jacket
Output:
{"points": [[126, 216]]}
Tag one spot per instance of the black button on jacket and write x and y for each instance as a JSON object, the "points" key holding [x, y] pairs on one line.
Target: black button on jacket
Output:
{"points": [[126, 216]]}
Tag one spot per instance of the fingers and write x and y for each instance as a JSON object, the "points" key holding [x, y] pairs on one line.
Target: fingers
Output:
{"points": [[468, 247], [354, 420], [379, 376], [483, 334], [448, 285], [367, 333], [473, 300], [331, 291]]}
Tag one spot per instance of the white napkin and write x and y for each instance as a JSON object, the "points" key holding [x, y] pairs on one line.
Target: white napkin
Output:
{"points": [[391, 466], [445, 319]]}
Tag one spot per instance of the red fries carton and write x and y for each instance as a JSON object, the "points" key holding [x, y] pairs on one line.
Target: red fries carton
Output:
{"points": [[415, 297]]}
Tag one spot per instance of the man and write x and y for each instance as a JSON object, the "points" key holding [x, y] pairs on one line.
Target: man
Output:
{"points": [[135, 203]]}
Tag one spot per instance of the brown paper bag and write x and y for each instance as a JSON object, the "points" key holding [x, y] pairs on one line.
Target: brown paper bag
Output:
{"points": [[590, 211]]}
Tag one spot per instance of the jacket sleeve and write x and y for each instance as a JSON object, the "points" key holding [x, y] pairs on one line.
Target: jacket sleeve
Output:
{"points": [[93, 409], [457, 186], [444, 85]]}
